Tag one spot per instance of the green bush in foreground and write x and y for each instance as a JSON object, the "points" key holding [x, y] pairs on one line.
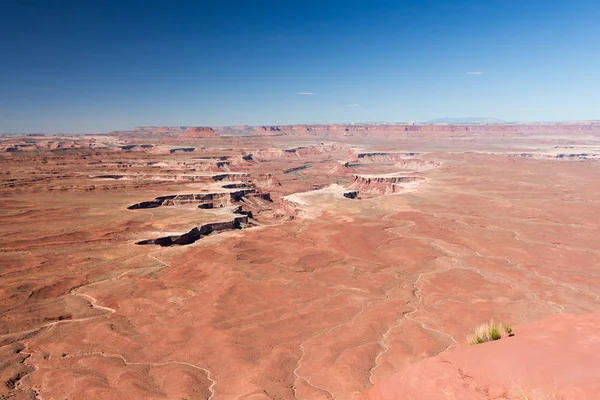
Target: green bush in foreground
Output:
{"points": [[490, 332]]}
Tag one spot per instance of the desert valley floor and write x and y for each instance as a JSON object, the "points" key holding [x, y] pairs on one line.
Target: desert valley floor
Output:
{"points": [[280, 266]]}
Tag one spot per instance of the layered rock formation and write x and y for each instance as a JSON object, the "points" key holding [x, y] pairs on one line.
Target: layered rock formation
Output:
{"points": [[200, 132], [302, 151], [221, 199], [151, 130], [383, 184], [296, 169], [402, 160], [197, 233]]}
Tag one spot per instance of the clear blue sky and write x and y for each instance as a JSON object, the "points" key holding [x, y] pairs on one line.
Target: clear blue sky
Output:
{"points": [[94, 66]]}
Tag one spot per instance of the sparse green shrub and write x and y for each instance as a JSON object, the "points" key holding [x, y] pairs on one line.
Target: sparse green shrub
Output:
{"points": [[494, 332], [490, 332]]}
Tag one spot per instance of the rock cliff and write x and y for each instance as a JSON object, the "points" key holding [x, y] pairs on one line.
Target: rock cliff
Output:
{"points": [[200, 132], [383, 184]]}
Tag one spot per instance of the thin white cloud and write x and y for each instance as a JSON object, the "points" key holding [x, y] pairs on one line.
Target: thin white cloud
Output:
{"points": [[474, 73], [352, 105], [306, 93]]}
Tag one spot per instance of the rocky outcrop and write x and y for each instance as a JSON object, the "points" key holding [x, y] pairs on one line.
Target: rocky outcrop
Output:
{"points": [[373, 179], [265, 181], [182, 150], [382, 184], [292, 209], [551, 156], [295, 169], [405, 161], [554, 358], [342, 169], [178, 175], [219, 199], [261, 196], [386, 156], [200, 132], [564, 156], [237, 186], [229, 176], [108, 177], [240, 210], [146, 204], [197, 233], [302, 151]]}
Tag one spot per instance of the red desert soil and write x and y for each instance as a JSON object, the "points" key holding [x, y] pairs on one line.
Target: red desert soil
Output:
{"points": [[328, 283], [555, 358]]}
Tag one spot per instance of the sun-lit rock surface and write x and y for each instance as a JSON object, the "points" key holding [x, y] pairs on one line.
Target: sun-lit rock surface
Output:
{"points": [[554, 358], [200, 132]]}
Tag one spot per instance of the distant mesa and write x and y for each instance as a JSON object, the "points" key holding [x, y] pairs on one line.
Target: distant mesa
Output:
{"points": [[200, 131], [466, 120], [477, 126], [452, 125], [164, 129], [160, 131]]}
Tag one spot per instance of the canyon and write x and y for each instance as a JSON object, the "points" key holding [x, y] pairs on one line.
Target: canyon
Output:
{"points": [[300, 262]]}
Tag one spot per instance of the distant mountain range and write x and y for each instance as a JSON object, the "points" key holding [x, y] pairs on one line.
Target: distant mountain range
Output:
{"points": [[466, 120]]}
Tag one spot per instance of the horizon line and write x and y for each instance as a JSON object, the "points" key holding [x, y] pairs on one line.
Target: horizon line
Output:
{"points": [[530, 122]]}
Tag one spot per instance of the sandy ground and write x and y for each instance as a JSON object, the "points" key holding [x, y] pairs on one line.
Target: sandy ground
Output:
{"points": [[553, 358], [320, 297]]}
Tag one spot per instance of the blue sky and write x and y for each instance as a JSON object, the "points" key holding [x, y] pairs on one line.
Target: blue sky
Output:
{"points": [[96, 66]]}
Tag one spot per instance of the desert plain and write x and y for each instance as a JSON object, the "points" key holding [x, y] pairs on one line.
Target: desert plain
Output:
{"points": [[304, 262]]}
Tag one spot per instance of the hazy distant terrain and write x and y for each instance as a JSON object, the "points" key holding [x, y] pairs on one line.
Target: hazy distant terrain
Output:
{"points": [[466, 120]]}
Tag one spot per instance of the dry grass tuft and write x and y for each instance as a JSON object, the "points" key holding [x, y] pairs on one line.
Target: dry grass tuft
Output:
{"points": [[520, 392], [490, 332]]}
